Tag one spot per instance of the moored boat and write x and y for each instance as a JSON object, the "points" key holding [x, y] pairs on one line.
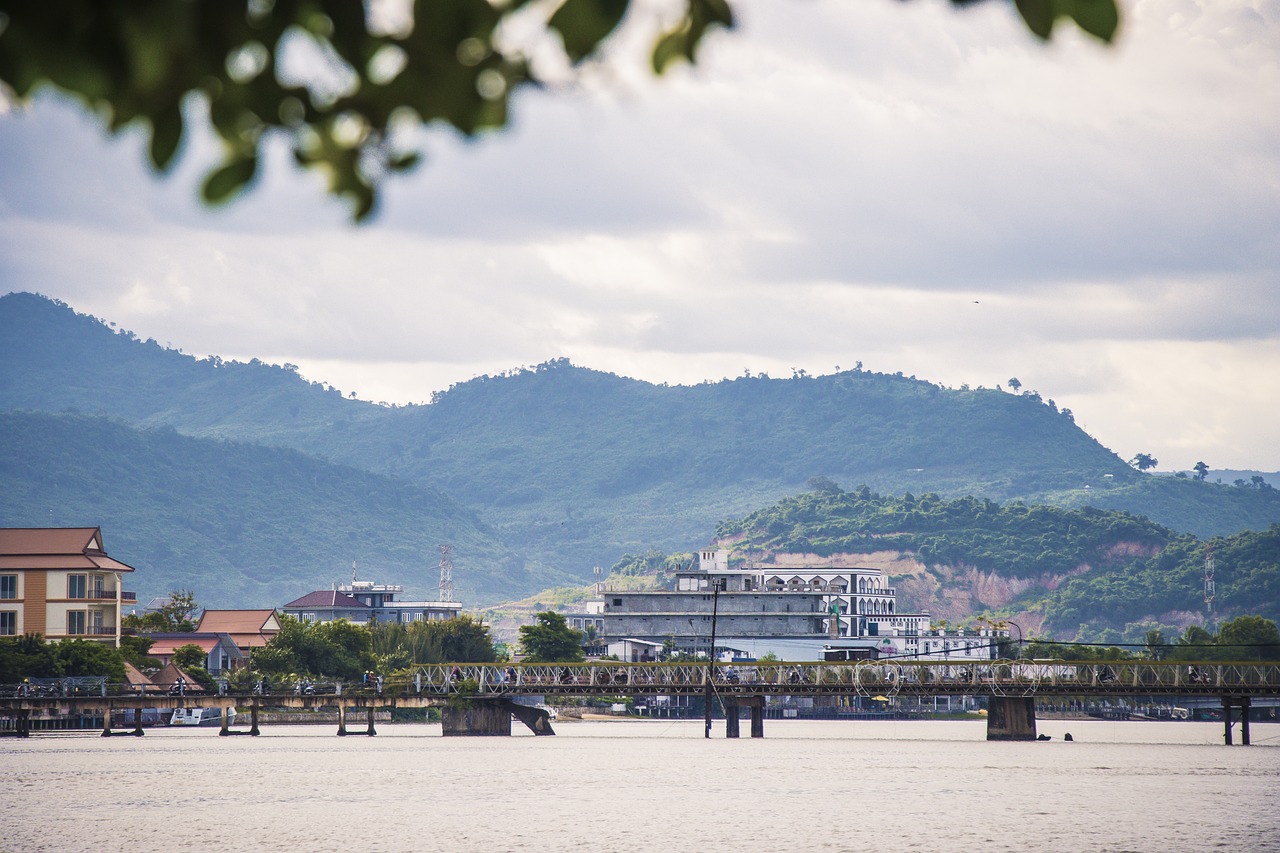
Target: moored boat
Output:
{"points": [[201, 717]]}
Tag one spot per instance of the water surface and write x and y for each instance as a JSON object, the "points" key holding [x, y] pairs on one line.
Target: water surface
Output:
{"points": [[652, 785]]}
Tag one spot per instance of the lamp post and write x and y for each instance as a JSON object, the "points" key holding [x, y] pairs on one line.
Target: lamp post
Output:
{"points": [[1019, 627], [717, 584]]}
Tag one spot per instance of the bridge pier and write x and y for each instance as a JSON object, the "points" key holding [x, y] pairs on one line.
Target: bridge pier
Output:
{"points": [[1229, 704], [106, 723], [342, 720], [1011, 718], [732, 704], [492, 718]]}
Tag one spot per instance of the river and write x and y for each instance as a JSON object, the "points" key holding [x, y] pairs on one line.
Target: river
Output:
{"points": [[652, 785]]}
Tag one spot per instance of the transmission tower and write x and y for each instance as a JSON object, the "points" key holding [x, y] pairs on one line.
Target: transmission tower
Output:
{"points": [[446, 573], [1208, 587]]}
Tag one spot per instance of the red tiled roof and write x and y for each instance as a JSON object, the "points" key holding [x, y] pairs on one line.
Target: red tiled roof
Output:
{"points": [[238, 622], [51, 548], [168, 645], [326, 598]]}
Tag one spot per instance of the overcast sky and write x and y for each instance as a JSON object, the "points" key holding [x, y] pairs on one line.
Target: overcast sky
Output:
{"points": [[915, 188]]}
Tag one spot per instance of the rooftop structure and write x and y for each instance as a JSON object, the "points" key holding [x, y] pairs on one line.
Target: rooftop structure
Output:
{"points": [[363, 602]]}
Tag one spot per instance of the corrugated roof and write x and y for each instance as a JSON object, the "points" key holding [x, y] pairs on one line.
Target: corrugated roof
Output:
{"points": [[326, 598]]}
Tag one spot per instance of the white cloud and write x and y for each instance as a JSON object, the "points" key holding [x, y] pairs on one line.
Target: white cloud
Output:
{"points": [[921, 189]]}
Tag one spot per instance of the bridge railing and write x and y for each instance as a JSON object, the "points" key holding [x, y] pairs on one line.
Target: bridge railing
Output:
{"points": [[864, 678]]}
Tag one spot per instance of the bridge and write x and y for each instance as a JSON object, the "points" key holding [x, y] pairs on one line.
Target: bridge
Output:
{"points": [[480, 699]]}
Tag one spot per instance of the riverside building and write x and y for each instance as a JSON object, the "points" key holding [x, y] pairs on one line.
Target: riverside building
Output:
{"points": [[793, 612]]}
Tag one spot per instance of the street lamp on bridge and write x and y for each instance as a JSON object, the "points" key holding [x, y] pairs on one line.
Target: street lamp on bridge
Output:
{"points": [[717, 585]]}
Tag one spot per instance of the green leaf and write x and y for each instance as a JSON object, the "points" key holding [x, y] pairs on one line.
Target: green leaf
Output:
{"points": [[583, 24], [224, 182], [166, 134], [669, 48], [1038, 14], [1098, 18]]}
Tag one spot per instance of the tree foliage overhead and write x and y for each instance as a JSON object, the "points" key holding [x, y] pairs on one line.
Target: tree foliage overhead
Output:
{"points": [[334, 77]]}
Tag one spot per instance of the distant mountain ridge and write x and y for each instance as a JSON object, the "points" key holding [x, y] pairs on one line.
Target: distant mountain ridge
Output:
{"points": [[240, 524], [570, 467]]}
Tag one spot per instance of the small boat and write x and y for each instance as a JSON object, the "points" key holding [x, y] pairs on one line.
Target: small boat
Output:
{"points": [[201, 717]]}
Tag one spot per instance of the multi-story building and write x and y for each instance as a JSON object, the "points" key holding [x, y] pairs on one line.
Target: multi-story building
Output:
{"points": [[363, 602], [59, 582], [794, 612]]}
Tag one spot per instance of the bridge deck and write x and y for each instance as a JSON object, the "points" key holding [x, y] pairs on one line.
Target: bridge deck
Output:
{"points": [[432, 684]]}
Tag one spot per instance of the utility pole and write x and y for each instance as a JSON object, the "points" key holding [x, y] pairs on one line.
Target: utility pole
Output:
{"points": [[717, 584]]}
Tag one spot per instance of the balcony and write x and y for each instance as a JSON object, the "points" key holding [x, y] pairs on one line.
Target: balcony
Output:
{"points": [[110, 595]]}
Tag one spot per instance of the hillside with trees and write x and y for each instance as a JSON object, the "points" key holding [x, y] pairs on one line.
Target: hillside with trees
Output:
{"points": [[1068, 573], [565, 466], [241, 525]]}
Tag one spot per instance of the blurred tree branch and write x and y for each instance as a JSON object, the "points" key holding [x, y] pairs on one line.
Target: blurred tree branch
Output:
{"points": [[137, 62]]}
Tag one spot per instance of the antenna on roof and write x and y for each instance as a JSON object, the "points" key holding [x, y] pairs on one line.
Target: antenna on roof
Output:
{"points": [[353, 572]]}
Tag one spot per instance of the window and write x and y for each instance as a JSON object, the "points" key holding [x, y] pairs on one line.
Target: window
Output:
{"points": [[76, 587], [76, 620], [8, 586], [8, 623]]}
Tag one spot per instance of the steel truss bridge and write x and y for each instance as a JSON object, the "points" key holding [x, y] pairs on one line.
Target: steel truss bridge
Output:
{"points": [[860, 678], [1012, 686]]}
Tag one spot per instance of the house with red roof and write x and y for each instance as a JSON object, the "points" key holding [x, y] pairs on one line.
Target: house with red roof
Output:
{"points": [[247, 629]]}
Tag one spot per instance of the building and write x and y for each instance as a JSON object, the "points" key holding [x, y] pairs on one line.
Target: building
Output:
{"points": [[792, 612], [220, 650], [59, 582], [365, 602], [247, 629]]}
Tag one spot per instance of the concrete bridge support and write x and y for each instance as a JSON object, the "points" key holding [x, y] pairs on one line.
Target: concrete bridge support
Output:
{"points": [[1011, 718], [1229, 704], [732, 704], [106, 723], [492, 718]]}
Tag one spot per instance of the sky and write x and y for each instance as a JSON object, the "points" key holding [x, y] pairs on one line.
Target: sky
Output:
{"points": [[904, 185]]}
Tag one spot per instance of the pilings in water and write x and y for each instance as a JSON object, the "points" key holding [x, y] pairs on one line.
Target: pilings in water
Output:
{"points": [[21, 724], [342, 722], [106, 724], [1229, 704], [1011, 718]]}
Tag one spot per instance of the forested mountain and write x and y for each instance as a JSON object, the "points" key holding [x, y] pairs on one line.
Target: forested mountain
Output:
{"points": [[1065, 573], [571, 467], [241, 525]]}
